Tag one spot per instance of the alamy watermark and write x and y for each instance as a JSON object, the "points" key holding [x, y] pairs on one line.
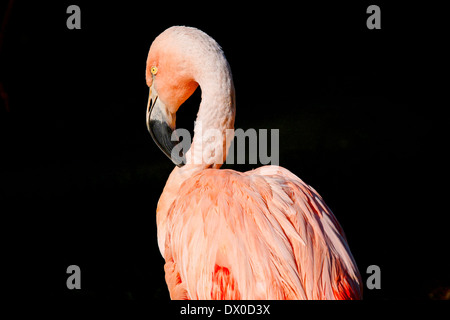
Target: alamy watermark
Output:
{"points": [[258, 144]]}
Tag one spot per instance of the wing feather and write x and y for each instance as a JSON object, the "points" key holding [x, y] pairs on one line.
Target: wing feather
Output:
{"points": [[262, 234]]}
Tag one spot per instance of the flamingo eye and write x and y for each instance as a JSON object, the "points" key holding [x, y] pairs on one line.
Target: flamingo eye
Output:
{"points": [[154, 70]]}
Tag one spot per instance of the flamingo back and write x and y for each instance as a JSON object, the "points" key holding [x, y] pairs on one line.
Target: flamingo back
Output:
{"points": [[262, 234]]}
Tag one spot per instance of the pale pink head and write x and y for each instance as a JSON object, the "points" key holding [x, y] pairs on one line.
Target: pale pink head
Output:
{"points": [[180, 59]]}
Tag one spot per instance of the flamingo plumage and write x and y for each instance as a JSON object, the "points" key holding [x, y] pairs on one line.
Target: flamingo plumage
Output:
{"points": [[262, 234]]}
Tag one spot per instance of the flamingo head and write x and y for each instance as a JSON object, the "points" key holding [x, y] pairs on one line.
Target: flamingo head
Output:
{"points": [[170, 75]]}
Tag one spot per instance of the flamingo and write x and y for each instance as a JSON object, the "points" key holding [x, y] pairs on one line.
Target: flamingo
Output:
{"points": [[262, 234]]}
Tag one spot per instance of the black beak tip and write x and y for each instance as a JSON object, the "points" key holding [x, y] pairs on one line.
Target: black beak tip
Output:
{"points": [[161, 133]]}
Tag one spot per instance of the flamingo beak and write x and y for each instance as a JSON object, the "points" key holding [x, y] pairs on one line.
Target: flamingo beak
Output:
{"points": [[161, 125]]}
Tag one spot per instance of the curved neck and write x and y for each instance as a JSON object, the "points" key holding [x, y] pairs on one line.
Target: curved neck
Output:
{"points": [[216, 113]]}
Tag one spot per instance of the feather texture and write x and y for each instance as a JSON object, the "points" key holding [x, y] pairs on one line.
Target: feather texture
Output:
{"points": [[262, 234]]}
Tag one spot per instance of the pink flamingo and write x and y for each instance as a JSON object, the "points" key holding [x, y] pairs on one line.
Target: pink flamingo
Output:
{"points": [[262, 234]]}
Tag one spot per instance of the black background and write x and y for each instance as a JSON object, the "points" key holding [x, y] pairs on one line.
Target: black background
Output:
{"points": [[361, 115]]}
